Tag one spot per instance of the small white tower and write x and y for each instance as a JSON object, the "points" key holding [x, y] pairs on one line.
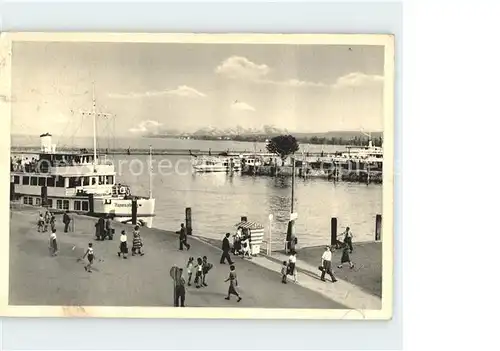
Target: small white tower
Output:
{"points": [[46, 142]]}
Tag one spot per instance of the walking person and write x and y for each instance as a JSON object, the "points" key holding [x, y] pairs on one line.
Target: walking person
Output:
{"points": [[326, 264], [233, 284], [180, 290], [348, 238], [41, 223], [108, 229], [90, 257], [226, 247], [345, 257], [183, 238], [53, 248], [99, 229], [47, 220], [207, 266], [52, 222], [137, 243], [123, 252], [284, 272], [66, 221], [189, 269], [199, 273], [292, 269]]}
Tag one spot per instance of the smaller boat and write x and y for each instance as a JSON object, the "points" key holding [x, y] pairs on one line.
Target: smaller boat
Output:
{"points": [[216, 164]]}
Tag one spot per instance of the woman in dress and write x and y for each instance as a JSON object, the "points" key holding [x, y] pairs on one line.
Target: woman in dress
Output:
{"points": [[233, 283], [345, 257], [137, 243]]}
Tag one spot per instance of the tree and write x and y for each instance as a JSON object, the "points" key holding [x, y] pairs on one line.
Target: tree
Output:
{"points": [[283, 146]]}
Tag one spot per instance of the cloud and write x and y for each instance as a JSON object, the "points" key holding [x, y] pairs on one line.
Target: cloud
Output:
{"points": [[242, 106], [237, 67], [180, 91], [145, 126], [295, 83], [358, 79]]}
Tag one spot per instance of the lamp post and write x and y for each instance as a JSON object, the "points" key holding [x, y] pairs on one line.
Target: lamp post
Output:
{"points": [[269, 249], [289, 235]]}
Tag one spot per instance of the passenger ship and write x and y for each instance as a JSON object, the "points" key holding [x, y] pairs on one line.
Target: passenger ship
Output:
{"points": [[205, 164], [78, 182]]}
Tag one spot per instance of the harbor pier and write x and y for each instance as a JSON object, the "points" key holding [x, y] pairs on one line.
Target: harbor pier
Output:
{"points": [[36, 278]]}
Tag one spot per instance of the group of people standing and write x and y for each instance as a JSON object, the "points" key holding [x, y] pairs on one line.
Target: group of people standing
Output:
{"points": [[43, 226]]}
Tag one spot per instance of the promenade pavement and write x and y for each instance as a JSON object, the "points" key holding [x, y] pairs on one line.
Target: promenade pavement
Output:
{"points": [[343, 291], [367, 259], [36, 278]]}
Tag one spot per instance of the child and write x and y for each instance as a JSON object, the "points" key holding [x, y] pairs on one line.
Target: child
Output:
{"points": [[199, 273], [292, 269], [41, 223], [189, 269], [53, 244], [284, 271], [233, 283], [345, 257], [206, 267], [137, 243], [123, 245], [90, 257]]}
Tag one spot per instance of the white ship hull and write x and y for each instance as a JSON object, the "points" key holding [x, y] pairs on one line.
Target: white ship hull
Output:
{"points": [[214, 168], [121, 209], [216, 164]]}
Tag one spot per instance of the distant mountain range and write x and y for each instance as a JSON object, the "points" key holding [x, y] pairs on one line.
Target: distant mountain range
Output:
{"points": [[267, 130]]}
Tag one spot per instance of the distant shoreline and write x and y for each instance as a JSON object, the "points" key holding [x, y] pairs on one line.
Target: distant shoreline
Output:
{"points": [[136, 152]]}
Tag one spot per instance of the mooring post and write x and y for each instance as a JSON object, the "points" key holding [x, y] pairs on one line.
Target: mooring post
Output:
{"points": [[91, 203], [333, 231], [134, 211], [378, 227], [189, 222], [12, 191]]}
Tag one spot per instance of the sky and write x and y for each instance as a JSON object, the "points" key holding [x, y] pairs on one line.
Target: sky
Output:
{"points": [[159, 86]]}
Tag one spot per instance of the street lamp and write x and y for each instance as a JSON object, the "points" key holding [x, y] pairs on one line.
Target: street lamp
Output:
{"points": [[293, 215], [269, 247]]}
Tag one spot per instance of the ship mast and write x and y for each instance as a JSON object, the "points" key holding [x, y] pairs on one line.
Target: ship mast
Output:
{"points": [[94, 115], [150, 172]]}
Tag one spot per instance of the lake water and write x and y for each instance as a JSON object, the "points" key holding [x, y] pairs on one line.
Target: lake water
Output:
{"points": [[219, 200]]}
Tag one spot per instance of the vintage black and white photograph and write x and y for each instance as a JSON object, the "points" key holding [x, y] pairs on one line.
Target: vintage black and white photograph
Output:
{"points": [[240, 176]]}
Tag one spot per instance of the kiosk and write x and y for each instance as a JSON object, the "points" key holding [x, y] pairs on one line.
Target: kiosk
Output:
{"points": [[255, 232]]}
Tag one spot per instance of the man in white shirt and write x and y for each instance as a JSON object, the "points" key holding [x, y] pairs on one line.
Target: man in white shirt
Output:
{"points": [[326, 263], [123, 245]]}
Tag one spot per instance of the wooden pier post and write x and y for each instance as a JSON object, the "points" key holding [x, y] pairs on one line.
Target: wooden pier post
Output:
{"points": [[189, 221], [134, 211], [45, 199], [12, 191], [91, 203], [378, 227], [333, 231]]}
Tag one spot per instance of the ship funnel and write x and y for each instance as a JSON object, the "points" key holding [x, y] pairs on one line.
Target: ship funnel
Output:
{"points": [[46, 142]]}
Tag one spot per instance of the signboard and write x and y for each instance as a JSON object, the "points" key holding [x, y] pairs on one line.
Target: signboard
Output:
{"points": [[175, 273], [294, 216]]}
